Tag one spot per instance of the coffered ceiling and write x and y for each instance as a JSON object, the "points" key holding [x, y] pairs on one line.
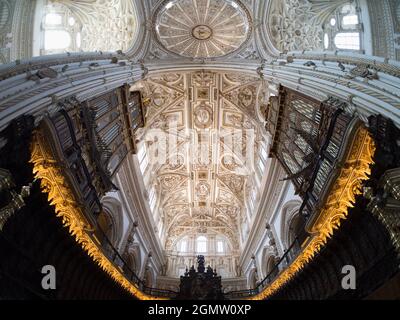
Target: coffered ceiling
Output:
{"points": [[204, 190]]}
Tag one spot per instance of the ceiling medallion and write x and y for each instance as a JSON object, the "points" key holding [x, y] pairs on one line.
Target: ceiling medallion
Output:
{"points": [[202, 28], [203, 190], [203, 117], [202, 32]]}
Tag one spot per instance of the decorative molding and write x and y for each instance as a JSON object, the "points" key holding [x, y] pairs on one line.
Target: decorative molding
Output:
{"points": [[287, 28], [199, 32], [212, 197], [331, 76], [106, 25], [383, 22]]}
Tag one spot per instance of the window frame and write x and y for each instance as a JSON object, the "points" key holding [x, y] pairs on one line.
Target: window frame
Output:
{"points": [[74, 30], [340, 28], [201, 244], [220, 247], [183, 246]]}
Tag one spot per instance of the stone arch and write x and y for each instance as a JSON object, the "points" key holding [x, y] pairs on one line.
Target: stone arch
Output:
{"points": [[290, 216], [268, 261], [252, 279], [149, 277], [294, 227], [134, 259], [111, 219]]}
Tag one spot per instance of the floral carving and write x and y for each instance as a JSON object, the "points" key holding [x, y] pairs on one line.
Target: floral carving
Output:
{"points": [[201, 28]]}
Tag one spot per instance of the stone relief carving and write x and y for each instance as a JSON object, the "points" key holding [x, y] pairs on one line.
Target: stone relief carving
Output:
{"points": [[201, 28], [203, 116], [290, 28], [203, 190], [171, 182], [203, 195], [16, 23], [106, 25]]}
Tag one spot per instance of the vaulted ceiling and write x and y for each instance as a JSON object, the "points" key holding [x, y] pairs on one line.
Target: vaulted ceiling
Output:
{"points": [[210, 194], [234, 29], [105, 25], [197, 193], [154, 30]]}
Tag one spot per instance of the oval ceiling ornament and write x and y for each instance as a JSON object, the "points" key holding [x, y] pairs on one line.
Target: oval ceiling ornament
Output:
{"points": [[202, 28]]}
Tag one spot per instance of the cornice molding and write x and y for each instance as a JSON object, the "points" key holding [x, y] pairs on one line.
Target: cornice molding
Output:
{"points": [[184, 65]]}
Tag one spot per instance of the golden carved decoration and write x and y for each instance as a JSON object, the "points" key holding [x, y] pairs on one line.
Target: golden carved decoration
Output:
{"points": [[346, 187], [60, 195]]}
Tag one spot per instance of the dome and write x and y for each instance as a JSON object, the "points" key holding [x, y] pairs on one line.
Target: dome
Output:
{"points": [[201, 28]]}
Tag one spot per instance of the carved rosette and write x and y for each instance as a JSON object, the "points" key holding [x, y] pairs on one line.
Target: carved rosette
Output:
{"points": [[203, 117]]}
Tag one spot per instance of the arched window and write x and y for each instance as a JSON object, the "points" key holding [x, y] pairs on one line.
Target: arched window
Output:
{"points": [[56, 40], [201, 244], [350, 20], [326, 41], [263, 158], [152, 199], [91, 24], [343, 29], [220, 246], [253, 279], [107, 230], [183, 246], [253, 200], [143, 159], [53, 19], [295, 227], [60, 31], [347, 41]]}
